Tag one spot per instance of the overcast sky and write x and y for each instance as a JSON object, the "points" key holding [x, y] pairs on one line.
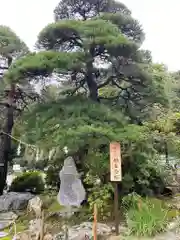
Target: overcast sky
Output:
{"points": [[160, 20]]}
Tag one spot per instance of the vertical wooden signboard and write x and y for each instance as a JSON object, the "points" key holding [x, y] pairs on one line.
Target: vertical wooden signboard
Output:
{"points": [[115, 176], [115, 162]]}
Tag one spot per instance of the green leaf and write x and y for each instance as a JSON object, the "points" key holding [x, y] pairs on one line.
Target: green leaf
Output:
{"points": [[127, 25], [82, 34], [10, 43], [43, 64]]}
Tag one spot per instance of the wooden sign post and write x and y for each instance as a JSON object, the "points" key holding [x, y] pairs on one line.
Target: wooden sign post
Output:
{"points": [[115, 176], [95, 223]]}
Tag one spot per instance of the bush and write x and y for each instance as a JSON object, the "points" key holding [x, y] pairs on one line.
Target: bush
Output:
{"points": [[52, 177], [143, 175], [28, 182], [101, 195], [148, 219]]}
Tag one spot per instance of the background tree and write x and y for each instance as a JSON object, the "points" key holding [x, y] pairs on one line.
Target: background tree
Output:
{"points": [[11, 47], [13, 97]]}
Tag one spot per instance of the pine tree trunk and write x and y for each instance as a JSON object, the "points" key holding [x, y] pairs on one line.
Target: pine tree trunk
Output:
{"points": [[5, 141], [92, 85]]}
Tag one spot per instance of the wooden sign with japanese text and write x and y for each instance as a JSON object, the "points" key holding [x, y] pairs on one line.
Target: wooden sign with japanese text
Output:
{"points": [[115, 162]]}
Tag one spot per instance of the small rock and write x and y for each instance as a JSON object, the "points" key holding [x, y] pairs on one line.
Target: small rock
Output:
{"points": [[80, 236], [35, 205], [115, 238], [26, 235], [175, 202], [35, 225], [3, 234], [77, 231], [167, 236], [6, 219], [8, 216], [48, 237], [5, 224], [173, 225]]}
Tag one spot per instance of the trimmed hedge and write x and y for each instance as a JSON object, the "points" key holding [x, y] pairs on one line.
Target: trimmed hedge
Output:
{"points": [[28, 182]]}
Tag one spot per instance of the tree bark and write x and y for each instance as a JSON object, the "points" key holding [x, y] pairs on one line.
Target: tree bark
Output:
{"points": [[5, 140], [5, 147], [92, 85]]}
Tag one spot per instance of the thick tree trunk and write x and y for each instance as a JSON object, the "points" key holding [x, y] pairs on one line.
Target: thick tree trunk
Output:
{"points": [[92, 85], [5, 141]]}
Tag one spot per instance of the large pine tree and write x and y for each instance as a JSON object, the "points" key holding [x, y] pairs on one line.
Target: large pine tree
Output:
{"points": [[93, 50]]}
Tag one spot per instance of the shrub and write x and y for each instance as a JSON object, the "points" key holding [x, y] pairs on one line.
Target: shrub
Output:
{"points": [[99, 194], [148, 219], [52, 177], [28, 182]]}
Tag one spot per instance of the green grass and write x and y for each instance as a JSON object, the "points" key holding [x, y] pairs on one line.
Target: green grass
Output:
{"points": [[149, 219], [55, 206], [50, 202], [7, 238]]}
